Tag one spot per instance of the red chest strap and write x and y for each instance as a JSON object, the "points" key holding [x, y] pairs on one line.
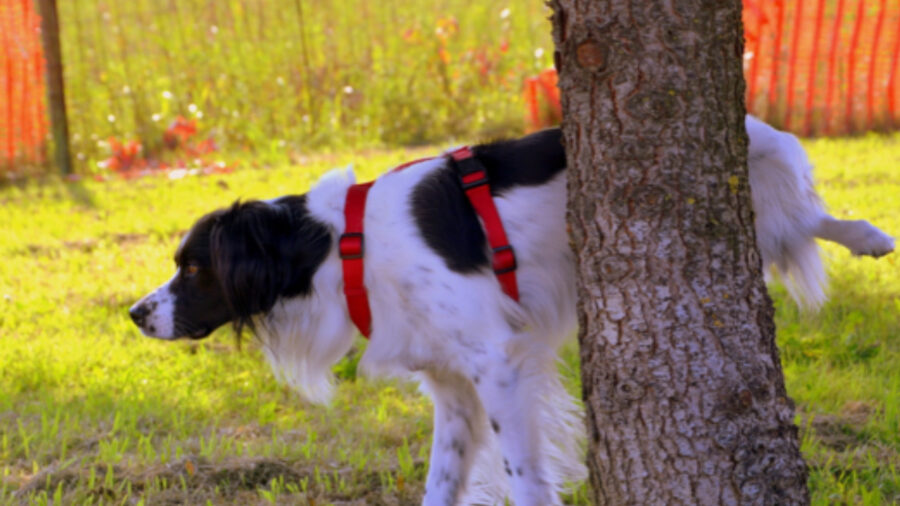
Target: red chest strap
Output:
{"points": [[351, 245], [351, 248]]}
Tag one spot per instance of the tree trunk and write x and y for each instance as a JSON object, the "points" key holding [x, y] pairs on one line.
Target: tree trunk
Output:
{"points": [[681, 378]]}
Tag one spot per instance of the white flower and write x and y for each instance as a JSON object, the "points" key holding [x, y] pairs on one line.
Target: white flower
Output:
{"points": [[504, 13], [177, 174]]}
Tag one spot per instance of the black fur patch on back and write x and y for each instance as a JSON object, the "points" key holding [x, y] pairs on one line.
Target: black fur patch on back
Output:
{"points": [[443, 214], [447, 221], [530, 161]]}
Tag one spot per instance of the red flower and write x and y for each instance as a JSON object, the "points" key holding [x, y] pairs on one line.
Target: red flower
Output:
{"points": [[179, 131]]}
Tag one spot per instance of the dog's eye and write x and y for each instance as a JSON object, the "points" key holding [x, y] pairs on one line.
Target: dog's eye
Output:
{"points": [[191, 270]]}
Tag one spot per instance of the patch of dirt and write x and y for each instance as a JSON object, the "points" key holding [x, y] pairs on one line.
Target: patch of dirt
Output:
{"points": [[835, 432], [192, 480], [859, 412], [844, 435], [231, 476], [48, 479], [843, 431], [251, 430]]}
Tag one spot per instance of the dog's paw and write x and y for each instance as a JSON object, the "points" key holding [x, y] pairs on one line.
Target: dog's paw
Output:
{"points": [[873, 243]]}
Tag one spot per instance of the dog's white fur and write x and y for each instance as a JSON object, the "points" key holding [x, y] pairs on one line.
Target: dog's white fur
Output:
{"points": [[504, 426], [790, 215]]}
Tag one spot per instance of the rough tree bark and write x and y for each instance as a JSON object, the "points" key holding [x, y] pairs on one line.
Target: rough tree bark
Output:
{"points": [[682, 381]]}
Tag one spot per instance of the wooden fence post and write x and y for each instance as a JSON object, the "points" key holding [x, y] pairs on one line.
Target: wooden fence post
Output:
{"points": [[56, 96]]}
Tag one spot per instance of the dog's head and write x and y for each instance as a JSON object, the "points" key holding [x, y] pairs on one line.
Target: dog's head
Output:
{"points": [[234, 264]]}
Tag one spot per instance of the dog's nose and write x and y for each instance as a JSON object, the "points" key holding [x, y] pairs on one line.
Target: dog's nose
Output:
{"points": [[139, 313]]}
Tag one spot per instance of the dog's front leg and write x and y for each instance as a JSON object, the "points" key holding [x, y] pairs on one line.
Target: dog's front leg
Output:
{"points": [[458, 422], [511, 403]]}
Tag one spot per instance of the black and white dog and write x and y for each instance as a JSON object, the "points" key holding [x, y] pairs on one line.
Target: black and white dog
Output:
{"points": [[503, 424]]}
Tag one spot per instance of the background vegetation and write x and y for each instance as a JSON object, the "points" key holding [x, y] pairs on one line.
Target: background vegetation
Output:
{"points": [[281, 78], [91, 412], [287, 76]]}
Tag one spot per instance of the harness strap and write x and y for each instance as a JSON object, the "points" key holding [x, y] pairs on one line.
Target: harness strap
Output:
{"points": [[475, 183], [351, 245], [351, 248]]}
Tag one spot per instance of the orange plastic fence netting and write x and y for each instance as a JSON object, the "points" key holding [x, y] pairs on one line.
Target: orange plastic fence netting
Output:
{"points": [[823, 66], [812, 67], [23, 120]]}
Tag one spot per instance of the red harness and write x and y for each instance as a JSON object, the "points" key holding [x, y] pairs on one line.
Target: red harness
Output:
{"points": [[351, 246]]}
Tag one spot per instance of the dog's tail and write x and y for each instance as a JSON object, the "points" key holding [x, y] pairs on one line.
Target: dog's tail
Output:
{"points": [[800, 268], [788, 212]]}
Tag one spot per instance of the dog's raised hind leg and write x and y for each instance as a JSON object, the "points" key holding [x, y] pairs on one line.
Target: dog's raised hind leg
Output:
{"points": [[859, 236]]}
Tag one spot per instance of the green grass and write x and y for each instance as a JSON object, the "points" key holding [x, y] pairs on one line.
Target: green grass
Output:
{"points": [[90, 412]]}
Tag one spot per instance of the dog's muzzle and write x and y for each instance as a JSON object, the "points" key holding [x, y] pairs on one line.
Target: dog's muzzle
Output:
{"points": [[155, 315]]}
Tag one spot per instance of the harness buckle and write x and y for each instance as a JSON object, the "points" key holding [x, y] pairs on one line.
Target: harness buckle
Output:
{"points": [[504, 259], [471, 172], [473, 179], [351, 246]]}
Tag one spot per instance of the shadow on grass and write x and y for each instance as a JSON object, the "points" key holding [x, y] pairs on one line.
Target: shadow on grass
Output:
{"points": [[79, 193], [76, 190]]}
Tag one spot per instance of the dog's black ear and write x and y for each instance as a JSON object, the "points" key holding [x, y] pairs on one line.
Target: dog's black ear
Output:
{"points": [[240, 248], [262, 251]]}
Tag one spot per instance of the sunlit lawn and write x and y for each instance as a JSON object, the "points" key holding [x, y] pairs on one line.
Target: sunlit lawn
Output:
{"points": [[90, 412]]}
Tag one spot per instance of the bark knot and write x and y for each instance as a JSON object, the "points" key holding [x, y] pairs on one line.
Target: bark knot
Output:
{"points": [[652, 200], [613, 268], [726, 435], [591, 55], [654, 105], [745, 397], [629, 390]]}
